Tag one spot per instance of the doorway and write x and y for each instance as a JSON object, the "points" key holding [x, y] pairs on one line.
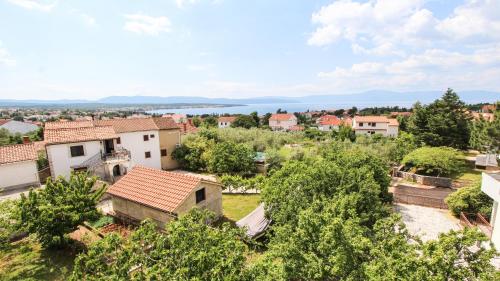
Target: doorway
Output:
{"points": [[109, 146], [116, 171]]}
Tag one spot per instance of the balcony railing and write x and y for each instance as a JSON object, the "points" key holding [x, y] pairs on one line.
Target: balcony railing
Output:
{"points": [[119, 154], [471, 220]]}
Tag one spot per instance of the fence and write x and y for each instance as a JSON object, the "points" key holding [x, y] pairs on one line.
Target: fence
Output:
{"points": [[420, 200]]}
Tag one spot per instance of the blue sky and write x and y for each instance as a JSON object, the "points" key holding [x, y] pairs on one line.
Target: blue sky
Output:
{"points": [[222, 48]]}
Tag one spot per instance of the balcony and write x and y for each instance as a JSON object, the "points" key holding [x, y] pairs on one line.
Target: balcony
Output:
{"points": [[118, 155]]}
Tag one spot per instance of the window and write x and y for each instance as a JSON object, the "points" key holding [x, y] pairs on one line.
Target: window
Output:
{"points": [[118, 141], [80, 170], [163, 152], [152, 136], [145, 137], [373, 124], [361, 124], [77, 150], [200, 195], [147, 154]]}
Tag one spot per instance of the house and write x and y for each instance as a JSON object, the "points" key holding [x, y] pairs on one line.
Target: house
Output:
{"points": [[490, 185], [188, 127], [178, 118], [109, 148], [488, 108], [18, 167], [332, 122], [369, 125], [490, 117], [282, 121], [170, 138], [146, 193], [86, 148], [15, 127], [226, 121]]}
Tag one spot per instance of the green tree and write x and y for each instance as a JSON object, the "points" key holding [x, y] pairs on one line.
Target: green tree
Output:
{"points": [[265, 119], [256, 118], [230, 157], [191, 154], [244, 121], [189, 249], [344, 133], [469, 199], [209, 122], [196, 121], [59, 208], [445, 122], [435, 161], [485, 136], [9, 219]]}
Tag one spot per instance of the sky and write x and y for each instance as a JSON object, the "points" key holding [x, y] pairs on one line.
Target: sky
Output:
{"points": [[235, 48]]}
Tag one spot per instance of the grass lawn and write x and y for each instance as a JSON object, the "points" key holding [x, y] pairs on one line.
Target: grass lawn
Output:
{"points": [[469, 177], [25, 260], [236, 206]]}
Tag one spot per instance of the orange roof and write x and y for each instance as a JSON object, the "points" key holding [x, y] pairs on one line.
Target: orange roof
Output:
{"points": [[188, 127], [330, 120], [68, 125], [227, 119], [154, 188], [129, 125], [3, 121], [79, 135], [165, 123], [39, 145], [282, 117], [17, 153], [377, 119]]}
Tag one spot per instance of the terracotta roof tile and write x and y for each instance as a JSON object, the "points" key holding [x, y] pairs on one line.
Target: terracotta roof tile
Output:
{"points": [[3, 121], [79, 135], [129, 124], [165, 123], [330, 120], [155, 188], [17, 153], [68, 125], [282, 117], [227, 119]]}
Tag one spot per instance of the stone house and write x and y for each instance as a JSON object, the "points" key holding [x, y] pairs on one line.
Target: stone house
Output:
{"points": [[146, 193], [282, 121]]}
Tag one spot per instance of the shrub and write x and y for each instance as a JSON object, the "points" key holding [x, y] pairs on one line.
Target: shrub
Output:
{"points": [[469, 199], [435, 161]]}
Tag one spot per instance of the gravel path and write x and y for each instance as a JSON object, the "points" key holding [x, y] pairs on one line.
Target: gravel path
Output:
{"points": [[427, 222]]}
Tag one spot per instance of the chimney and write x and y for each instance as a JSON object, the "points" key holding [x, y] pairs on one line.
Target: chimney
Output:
{"points": [[26, 139]]}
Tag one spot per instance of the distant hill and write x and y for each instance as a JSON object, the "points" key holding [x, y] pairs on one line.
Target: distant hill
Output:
{"points": [[368, 98]]}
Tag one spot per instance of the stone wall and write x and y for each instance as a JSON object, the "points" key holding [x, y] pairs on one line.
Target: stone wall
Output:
{"points": [[425, 180]]}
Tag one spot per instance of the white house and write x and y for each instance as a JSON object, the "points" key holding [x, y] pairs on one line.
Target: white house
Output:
{"points": [[490, 185], [282, 121], [369, 125], [18, 166], [226, 121]]}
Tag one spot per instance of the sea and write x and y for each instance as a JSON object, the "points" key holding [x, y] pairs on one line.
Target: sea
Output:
{"points": [[263, 108]]}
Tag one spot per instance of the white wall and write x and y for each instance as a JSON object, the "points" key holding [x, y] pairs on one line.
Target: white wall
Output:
{"points": [[379, 128], [224, 124], [19, 174], [285, 125], [491, 187], [60, 159], [134, 142]]}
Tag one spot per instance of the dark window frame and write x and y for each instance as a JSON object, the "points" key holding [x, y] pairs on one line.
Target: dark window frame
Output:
{"points": [[200, 195], [74, 153], [361, 124], [163, 152], [147, 154], [152, 136], [145, 137], [118, 140]]}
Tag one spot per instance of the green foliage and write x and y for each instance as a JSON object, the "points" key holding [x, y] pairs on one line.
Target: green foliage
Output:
{"points": [[190, 155], [344, 133], [9, 218], [259, 139], [314, 134], [196, 121], [241, 183], [188, 250], [485, 136], [469, 199], [102, 221], [445, 122], [209, 122], [230, 157], [245, 121], [59, 208], [435, 161]]}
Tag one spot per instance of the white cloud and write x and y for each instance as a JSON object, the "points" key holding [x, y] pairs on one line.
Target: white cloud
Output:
{"points": [[5, 57], [200, 67], [182, 3], [88, 20], [144, 24], [45, 6]]}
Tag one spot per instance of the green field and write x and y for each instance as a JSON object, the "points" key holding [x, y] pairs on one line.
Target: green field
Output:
{"points": [[236, 206]]}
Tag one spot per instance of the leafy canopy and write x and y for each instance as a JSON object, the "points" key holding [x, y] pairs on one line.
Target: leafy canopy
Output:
{"points": [[435, 161]]}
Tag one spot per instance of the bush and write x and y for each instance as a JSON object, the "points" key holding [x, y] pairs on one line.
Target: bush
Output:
{"points": [[469, 199], [229, 157], [435, 161]]}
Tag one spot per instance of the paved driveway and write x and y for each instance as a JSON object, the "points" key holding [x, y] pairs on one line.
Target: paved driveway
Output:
{"points": [[427, 222]]}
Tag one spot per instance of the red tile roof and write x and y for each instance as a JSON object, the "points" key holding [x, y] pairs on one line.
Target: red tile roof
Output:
{"points": [[68, 125], [165, 123], [3, 121], [17, 153], [227, 119], [282, 117], [129, 125], [188, 127], [331, 120], [79, 135], [155, 188]]}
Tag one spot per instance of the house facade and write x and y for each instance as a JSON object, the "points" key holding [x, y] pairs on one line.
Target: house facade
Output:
{"points": [[146, 193], [369, 125], [18, 167], [170, 138], [282, 121], [225, 121], [490, 184]]}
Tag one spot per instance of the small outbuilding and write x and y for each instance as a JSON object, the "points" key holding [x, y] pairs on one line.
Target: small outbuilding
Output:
{"points": [[147, 193], [18, 167]]}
